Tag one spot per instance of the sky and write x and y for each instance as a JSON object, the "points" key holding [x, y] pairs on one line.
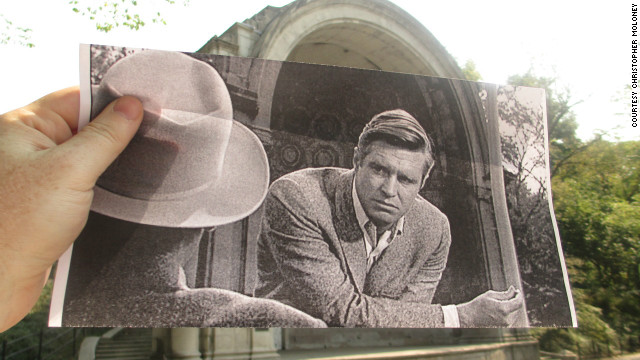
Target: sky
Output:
{"points": [[586, 46]]}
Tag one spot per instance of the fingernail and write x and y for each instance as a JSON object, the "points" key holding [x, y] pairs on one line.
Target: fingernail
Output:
{"points": [[129, 107]]}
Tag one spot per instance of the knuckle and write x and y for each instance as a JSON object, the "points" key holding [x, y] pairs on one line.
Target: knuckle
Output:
{"points": [[104, 132]]}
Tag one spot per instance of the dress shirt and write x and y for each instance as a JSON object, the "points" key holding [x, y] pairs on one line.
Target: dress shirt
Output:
{"points": [[384, 239], [451, 319]]}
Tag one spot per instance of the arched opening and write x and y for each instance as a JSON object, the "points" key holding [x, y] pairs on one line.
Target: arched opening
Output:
{"points": [[363, 46], [368, 34]]}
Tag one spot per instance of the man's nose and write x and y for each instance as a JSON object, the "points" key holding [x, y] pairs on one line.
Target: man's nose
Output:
{"points": [[389, 186]]}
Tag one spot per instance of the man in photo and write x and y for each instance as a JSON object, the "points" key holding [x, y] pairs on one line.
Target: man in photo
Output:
{"points": [[360, 247]]}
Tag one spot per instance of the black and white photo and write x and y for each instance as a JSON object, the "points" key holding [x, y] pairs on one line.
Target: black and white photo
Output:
{"points": [[261, 193]]}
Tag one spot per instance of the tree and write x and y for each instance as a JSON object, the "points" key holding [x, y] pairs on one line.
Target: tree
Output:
{"points": [[596, 187], [561, 120], [107, 15], [598, 207], [522, 132], [32, 324], [110, 14], [470, 72], [13, 34]]}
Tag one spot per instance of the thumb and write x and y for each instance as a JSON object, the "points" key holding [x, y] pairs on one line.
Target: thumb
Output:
{"points": [[505, 295], [514, 304], [98, 144]]}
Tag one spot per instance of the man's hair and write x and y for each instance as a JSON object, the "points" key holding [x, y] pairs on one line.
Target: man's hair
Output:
{"points": [[397, 128]]}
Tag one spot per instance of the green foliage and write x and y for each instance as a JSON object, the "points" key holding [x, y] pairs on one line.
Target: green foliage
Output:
{"points": [[57, 343], [110, 14], [524, 162], [35, 320], [596, 191], [561, 120], [597, 203], [107, 15], [14, 35], [470, 72], [32, 324], [593, 337], [598, 207]]}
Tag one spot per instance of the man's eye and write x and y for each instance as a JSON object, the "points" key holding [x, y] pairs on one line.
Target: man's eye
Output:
{"points": [[378, 169], [407, 181]]}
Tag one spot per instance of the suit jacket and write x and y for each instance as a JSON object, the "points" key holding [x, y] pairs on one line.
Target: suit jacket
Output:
{"points": [[312, 256], [132, 275]]}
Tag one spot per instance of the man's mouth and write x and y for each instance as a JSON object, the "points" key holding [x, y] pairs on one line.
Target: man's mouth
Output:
{"points": [[385, 205]]}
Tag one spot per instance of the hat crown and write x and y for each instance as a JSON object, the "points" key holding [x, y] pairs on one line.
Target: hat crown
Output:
{"points": [[181, 144]]}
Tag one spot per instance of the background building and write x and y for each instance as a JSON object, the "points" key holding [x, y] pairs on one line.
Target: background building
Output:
{"points": [[361, 34]]}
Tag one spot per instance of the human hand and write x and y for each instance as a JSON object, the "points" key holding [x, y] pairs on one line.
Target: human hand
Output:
{"points": [[493, 309], [47, 173]]}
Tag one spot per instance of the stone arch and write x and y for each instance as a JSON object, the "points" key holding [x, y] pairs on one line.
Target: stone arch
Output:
{"points": [[331, 32], [369, 34], [373, 34]]}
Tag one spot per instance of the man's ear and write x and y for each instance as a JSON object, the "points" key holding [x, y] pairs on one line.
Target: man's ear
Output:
{"points": [[426, 176], [356, 157], [424, 181]]}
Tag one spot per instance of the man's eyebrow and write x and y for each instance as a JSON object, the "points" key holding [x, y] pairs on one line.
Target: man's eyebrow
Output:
{"points": [[375, 162], [402, 175]]}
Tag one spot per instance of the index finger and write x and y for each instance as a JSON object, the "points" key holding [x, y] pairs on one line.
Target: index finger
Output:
{"points": [[56, 114], [503, 295], [65, 103], [514, 304]]}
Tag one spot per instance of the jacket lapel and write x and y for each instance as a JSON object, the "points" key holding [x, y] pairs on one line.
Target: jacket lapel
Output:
{"points": [[387, 275], [349, 234]]}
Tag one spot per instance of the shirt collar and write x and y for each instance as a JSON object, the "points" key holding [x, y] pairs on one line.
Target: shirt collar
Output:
{"points": [[362, 216]]}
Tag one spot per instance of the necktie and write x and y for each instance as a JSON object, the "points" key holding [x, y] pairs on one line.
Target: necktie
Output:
{"points": [[373, 235]]}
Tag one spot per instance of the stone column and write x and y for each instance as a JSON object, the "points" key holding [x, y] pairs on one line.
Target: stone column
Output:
{"points": [[161, 342], [237, 344], [206, 343], [185, 344], [263, 344]]}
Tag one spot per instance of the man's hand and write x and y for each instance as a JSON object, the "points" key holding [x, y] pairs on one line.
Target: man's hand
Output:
{"points": [[47, 174], [493, 309]]}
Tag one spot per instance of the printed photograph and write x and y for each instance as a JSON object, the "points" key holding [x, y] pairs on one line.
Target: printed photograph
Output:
{"points": [[262, 193]]}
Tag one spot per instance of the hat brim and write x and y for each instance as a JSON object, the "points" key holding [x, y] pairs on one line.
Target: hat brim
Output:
{"points": [[237, 193]]}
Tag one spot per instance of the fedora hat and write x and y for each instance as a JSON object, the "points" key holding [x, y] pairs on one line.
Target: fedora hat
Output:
{"points": [[190, 164]]}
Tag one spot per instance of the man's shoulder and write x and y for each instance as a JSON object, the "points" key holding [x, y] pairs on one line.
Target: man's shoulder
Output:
{"points": [[309, 186], [309, 179], [425, 212]]}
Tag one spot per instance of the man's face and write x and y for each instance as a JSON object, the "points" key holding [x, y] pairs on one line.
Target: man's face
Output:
{"points": [[387, 181]]}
